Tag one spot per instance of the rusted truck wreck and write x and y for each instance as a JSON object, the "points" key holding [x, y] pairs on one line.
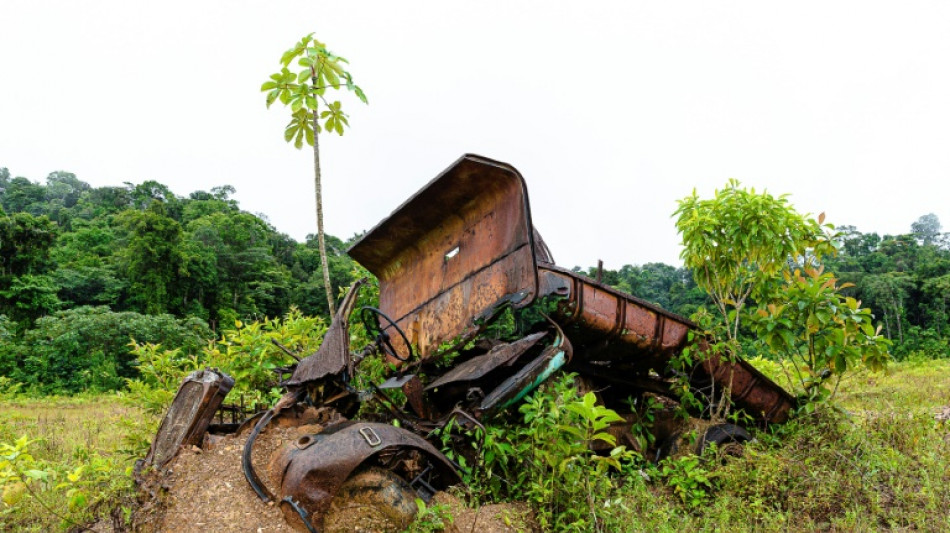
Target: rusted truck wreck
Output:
{"points": [[474, 314]]}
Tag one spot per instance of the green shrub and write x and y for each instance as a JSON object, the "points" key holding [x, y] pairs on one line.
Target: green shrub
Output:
{"points": [[547, 460], [246, 353]]}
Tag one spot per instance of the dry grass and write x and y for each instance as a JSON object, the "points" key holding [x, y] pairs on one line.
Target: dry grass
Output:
{"points": [[65, 432], [882, 464]]}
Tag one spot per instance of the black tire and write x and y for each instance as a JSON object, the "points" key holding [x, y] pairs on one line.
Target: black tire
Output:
{"points": [[668, 447], [729, 438]]}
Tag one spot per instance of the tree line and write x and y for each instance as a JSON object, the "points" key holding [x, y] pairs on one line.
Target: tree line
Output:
{"points": [[138, 260], [905, 279], [84, 269]]}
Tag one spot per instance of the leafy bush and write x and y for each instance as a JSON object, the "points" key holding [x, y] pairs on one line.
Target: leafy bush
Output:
{"points": [[247, 354], [921, 344], [548, 461], [822, 332], [21, 476], [689, 479]]}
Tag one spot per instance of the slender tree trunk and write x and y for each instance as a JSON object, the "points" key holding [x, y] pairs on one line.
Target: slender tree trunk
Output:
{"points": [[318, 188], [900, 318]]}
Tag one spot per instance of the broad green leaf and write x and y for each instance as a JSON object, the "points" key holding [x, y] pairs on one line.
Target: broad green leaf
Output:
{"points": [[272, 96], [290, 130], [36, 474], [13, 493], [606, 437], [298, 140]]}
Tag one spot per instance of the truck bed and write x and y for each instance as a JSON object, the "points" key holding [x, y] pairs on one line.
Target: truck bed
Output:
{"points": [[607, 325]]}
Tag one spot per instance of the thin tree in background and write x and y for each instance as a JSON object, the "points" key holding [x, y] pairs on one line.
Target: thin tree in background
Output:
{"points": [[304, 91]]}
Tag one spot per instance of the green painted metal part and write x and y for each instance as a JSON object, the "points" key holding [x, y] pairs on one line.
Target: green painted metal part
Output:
{"points": [[555, 364]]}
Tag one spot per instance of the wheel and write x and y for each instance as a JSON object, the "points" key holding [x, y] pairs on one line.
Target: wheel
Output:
{"points": [[370, 317], [729, 439], [372, 499]]}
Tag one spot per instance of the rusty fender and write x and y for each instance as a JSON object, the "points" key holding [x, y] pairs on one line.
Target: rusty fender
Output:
{"points": [[315, 466]]}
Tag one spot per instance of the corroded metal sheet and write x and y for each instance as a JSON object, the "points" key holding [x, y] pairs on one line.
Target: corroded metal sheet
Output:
{"points": [[603, 313], [333, 355], [477, 367], [315, 467], [528, 377], [453, 251], [750, 389], [189, 415], [627, 327]]}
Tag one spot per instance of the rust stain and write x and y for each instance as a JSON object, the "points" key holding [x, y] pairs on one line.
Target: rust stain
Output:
{"points": [[453, 251], [314, 467]]}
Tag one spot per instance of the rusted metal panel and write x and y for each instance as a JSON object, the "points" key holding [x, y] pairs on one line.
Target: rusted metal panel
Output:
{"points": [[316, 466], [626, 322], [477, 367], [187, 420], [606, 314], [333, 355], [751, 390], [528, 377], [453, 251]]}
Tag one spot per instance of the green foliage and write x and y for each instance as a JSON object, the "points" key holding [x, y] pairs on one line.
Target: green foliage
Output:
{"points": [[29, 297], [142, 248], [247, 354], [642, 427], [823, 332], [431, 518], [688, 478], [25, 242], [903, 279], [743, 247], [305, 89], [547, 459], [738, 242], [137, 249], [153, 257], [26, 293], [59, 465], [23, 476], [160, 374], [87, 348]]}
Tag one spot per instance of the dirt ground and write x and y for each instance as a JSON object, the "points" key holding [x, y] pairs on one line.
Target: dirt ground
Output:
{"points": [[205, 490], [495, 518]]}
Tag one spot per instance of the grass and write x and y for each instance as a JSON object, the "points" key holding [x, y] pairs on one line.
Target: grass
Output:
{"points": [[90, 433], [879, 463], [882, 464]]}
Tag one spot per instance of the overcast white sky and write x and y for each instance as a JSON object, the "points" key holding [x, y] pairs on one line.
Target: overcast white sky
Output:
{"points": [[611, 110]]}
